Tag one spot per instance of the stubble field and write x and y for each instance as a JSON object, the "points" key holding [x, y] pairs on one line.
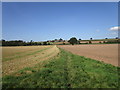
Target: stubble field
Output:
{"points": [[16, 58]]}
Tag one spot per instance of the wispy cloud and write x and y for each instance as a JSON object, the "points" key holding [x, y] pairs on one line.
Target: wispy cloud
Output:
{"points": [[116, 28], [114, 33]]}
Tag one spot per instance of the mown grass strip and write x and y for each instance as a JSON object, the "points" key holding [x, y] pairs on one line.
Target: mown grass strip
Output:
{"points": [[67, 71], [23, 55]]}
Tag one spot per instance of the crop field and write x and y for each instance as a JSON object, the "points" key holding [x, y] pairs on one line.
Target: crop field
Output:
{"points": [[10, 51], [54, 67], [16, 58], [107, 53]]}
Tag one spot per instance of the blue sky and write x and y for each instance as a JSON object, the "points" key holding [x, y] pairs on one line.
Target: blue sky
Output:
{"points": [[40, 21]]}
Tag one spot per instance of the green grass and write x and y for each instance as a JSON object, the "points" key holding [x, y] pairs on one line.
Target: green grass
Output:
{"points": [[66, 71]]}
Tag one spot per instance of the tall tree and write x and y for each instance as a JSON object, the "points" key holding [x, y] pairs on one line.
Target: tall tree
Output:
{"points": [[73, 41]]}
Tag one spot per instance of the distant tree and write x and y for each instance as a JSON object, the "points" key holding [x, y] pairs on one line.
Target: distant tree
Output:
{"points": [[55, 39], [106, 38], [60, 39], [44, 43], [35, 43], [116, 38], [3, 40], [73, 41], [3, 43], [39, 44], [90, 42], [13, 43], [90, 38], [80, 39]]}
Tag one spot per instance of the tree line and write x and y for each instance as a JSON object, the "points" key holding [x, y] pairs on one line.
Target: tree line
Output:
{"points": [[21, 43], [72, 41]]}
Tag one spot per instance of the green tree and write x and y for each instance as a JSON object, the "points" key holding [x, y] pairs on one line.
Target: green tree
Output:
{"points": [[91, 38], [90, 42], [73, 41], [60, 40], [44, 43]]}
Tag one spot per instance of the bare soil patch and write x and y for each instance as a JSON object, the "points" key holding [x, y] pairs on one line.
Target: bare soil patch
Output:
{"points": [[107, 53]]}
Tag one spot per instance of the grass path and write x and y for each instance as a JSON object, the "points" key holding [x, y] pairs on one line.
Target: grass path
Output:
{"points": [[66, 71]]}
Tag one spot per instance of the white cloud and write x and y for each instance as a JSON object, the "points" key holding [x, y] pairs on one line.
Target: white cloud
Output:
{"points": [[114, 33], [116, 28]]}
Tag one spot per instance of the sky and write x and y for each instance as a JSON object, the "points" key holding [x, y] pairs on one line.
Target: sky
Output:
{"points": [[41, 21]]}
